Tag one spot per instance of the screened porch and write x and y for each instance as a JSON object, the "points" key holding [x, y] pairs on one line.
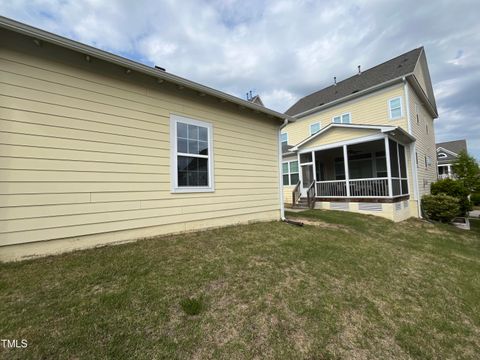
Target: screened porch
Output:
{"points": [[373, 169]]}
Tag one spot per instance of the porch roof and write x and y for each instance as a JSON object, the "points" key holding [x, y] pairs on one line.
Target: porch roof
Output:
{"points": [[394, 131]]}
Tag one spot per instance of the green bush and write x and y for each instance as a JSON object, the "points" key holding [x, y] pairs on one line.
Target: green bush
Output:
{"points": [[475, 199], [441, 207], [456, 189]]}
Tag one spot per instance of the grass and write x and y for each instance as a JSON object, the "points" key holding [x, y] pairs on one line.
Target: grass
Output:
{"points": [[344, 286]]}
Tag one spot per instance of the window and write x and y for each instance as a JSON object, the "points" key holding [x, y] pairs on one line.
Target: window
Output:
{"points": [[442, 155], [284, 140], [426, 162], [314, 128], [342, 119], [395, 107], [290, 173], [192, 159]]}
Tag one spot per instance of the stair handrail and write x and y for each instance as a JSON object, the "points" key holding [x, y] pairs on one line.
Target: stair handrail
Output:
{"points": [[311, 195], [296, 193]]}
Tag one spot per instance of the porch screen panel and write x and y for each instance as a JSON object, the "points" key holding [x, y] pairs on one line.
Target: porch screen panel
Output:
{"points": [[403, 168], [396, 186]]}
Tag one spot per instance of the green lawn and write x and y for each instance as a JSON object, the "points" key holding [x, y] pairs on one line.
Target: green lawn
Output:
{"points": [[345, 286]]}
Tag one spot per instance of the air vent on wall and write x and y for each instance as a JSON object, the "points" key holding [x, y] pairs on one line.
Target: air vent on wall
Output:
{"points": [[370, 207], [339, 206]]}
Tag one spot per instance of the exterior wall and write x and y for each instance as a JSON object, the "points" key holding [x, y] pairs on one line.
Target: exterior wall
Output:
{"points": [[85, 154], [335, 135], [425, 143], [370, 109], [287, 194], [392, 211]]}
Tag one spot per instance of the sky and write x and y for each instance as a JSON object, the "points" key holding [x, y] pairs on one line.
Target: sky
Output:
{"points": [[283, 50]]}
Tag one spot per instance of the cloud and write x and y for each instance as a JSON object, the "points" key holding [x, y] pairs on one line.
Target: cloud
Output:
{"points": [[283, 49]]}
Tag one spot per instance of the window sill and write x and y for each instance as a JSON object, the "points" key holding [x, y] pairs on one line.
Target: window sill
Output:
{"points": [[192, 190]]}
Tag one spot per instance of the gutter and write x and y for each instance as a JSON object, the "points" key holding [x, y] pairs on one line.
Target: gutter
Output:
{"points": [[41, 35]]}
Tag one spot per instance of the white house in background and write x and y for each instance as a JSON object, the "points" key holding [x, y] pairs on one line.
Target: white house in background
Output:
{"points": [[447, 154]]}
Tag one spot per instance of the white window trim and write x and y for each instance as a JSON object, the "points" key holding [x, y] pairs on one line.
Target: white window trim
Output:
{"points": [[390, 108], [315, 123], [289, 172], [442, 155], [340, 116], [174, 156], [283, 133]]}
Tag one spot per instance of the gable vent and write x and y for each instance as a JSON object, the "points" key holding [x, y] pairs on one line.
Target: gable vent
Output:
{"points": [[370, 207]]}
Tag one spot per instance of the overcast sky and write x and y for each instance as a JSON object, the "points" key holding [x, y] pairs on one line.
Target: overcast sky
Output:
{"points": [[283, 50]]}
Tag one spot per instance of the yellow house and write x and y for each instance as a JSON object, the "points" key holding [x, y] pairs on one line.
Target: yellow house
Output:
{"points": [[96, 149], [365, 144]]}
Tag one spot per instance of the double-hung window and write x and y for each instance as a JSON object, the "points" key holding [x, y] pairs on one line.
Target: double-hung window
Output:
{"points": [[395, 108], [342, 119], [192, 158], [290, 172], [314, 128]]}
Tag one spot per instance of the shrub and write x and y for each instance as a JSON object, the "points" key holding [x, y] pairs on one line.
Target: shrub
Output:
{"points": [[440, 207], [456, 189], [475, 199]]}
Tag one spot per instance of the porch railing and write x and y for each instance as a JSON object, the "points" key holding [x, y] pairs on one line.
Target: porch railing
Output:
{"points": [[311, 195], [296, 194], [371, 187]]}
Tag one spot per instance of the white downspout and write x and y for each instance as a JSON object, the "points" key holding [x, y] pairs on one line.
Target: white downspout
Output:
{"points": [[413, 148], [280, 172]]}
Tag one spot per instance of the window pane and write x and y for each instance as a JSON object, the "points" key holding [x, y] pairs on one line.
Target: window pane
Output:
{"points": [[396, 113], [203, 148], [285, 180], [182, 146], [396, 187], [404, 187], [203, 134], [192, 171], [337, 119], [181, 130], [193, 132], [395, 103], [314, 128], [285, 168], [294, 178], [284, 137], [192, 146], [294, 167], [346, 118], [381, 165]]}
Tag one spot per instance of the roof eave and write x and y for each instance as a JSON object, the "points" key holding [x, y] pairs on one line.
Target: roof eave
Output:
{"points": [[61, 41]]}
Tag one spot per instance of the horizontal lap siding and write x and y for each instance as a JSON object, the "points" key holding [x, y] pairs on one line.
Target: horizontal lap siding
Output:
{"points": [[371, 109], [87, 150]]}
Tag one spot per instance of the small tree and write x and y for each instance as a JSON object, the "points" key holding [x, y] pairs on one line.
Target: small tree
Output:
{"points": [[456, 189], [440, 207], [467, 171]]}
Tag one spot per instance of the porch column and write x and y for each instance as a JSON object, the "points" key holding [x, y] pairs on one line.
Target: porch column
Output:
{"points": [[347, 175], [449, 167], [389, 169]]}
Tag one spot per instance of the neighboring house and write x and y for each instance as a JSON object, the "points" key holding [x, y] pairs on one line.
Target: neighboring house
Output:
{"points": [[254, 99], [447, 154], [96, 148], [367, 143]]}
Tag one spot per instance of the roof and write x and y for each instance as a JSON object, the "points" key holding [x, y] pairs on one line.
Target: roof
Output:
{"points": [[393, 130], [45, 36], [456, 146], [257, 100], [395, 68]]}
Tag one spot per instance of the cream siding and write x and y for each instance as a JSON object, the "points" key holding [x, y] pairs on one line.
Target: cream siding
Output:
{"points": [[425, 143], [85, 149], [335, 135], [371, 109]]}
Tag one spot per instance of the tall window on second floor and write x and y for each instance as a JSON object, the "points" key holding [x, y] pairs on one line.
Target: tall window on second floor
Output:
{"points": [[395, 108], [284, 140], [314, 128], [342, 119]]}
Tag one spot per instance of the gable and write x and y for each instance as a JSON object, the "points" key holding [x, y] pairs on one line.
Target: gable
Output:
{"points": [[335, 134], [423, 77]]}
